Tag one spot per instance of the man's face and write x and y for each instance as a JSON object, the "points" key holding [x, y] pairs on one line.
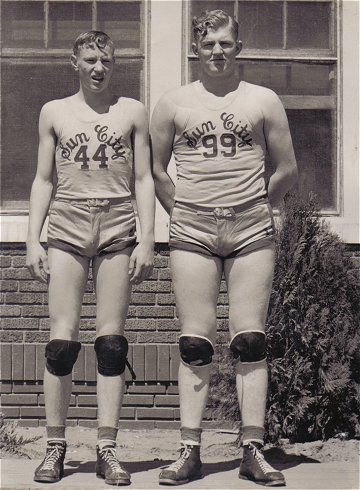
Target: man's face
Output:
{"points": [[217, 51], [95, 66]]}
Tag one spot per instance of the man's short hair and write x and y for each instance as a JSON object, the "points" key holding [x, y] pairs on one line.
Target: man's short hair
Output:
{"points": [[213, 19], [99, 38]]}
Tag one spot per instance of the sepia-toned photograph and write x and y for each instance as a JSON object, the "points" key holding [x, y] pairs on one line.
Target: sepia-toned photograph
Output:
{"points": [[179, 210]]}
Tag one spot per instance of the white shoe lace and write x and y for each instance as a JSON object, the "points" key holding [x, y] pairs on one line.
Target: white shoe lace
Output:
{"points": [[108, 454], [53, 453], [264, 465], [177, 465]]}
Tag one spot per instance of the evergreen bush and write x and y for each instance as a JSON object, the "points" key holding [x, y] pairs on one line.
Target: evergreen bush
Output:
{"points": [[312, 334]]}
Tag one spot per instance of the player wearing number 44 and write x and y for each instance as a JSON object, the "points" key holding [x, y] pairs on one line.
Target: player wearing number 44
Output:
{"points": [[219, 129], [91, 140]]}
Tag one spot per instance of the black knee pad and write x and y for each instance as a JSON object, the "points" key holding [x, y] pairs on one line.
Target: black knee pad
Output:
{"points": [[111, 352], [195, 350], [249, 346], [61, 356]]}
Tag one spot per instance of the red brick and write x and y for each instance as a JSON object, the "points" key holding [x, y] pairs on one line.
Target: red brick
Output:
{"points": [[87, 337], [18, 361], [6, 361], [40, 361], [32, 286], [8, 286], [5, 261], [139, 400], [9, 336], [89, 298], [164, 274], [37, 311], [167, 324], [174, 362], [28, 388], [163, 362], [152, 389], [9, 310], [153, 286], [28, 423], [90, 363], [88, 324], [18, 273], [155, 311], [90, 424], [172, 390], [5, 387], [82, 412], [19, 261], [222, 311], [26, 399], [222, 325], [127, 413], [135, 424], [165, 424], [41, 400], [166, 299], [80, 388], [30, 362], [156, 337], [139, 361], [143, 298], [19, 323], [84, 400], [88, 311], [150, 363], [79, 367], [36, 337], [44, 323], [140, 324], [13, 412], [160, 261], [155, 413], [32, 412], [24, 298], [167, 400]]}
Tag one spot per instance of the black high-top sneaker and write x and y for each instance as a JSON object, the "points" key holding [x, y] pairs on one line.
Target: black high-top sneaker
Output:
{"points": [[51, 468], [185, 469], [109, 467], [254, 467]]}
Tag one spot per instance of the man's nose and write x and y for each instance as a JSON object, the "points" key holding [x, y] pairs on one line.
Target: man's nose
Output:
{"points": [[99, 66], [217, 49]]}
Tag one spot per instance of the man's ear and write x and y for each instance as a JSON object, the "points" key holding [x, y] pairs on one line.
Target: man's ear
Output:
{"points": [[73, 61], [194, 49], [238, 46]]}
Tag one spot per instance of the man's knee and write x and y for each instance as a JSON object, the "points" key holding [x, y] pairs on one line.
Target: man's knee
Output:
{"points": [[111, 352], [249, 346], [61, 356], [195, 350]]}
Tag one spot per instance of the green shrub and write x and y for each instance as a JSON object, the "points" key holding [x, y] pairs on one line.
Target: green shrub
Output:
{"points": [[312, 332], [10, 440]]}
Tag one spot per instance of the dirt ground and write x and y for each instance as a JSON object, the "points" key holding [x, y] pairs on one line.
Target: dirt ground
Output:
{"points": [[159, 445]]}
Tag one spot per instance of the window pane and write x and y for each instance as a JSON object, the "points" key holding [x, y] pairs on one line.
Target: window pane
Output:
{"points": [[313, 133], [66, 21], [261, 24], [22, 24], [285, 78], [121, 21], [20, 114], [309, 25]]}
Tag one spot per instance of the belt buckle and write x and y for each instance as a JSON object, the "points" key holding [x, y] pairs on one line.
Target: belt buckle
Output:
{"points": [[99, 203], [218, 212]]}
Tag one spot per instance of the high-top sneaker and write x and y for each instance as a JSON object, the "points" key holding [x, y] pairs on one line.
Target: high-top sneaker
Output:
{"points": [[51, 468], [185, 469], [254, 467], [109, 467]]}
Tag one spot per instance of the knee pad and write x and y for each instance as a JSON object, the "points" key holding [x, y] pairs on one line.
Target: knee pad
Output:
{"points": [[111, 352], [249, 346], [195, 350], [61, 356]]}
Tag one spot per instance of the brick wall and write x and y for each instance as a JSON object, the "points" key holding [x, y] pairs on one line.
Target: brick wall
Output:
{"points": [[152, 330]]}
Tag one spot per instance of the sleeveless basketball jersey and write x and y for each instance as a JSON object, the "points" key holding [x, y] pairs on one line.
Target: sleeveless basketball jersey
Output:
{"points": [[220, 153], [93, 157]]}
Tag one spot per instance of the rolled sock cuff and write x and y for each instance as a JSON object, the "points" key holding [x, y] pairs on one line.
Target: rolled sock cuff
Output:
{"points": [[54, 432], [107, 433], [191, 435], [253, 433]]}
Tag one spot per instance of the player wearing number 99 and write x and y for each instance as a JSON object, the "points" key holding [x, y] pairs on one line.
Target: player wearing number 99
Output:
{"points": [[219, 129], [91, 140]]}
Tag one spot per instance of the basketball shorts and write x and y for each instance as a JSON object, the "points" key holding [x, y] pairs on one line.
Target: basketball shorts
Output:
{"points": [[222, 232], [91, 227]]}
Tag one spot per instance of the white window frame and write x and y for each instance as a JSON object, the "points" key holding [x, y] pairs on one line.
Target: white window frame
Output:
{"points": [[166, 64]]}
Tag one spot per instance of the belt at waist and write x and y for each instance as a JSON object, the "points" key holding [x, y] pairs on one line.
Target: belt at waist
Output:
{"points": [[95, 202]]}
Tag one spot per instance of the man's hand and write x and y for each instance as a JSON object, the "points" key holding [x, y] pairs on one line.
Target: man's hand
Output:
{"points": [[37, 262], [141, 262]]}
